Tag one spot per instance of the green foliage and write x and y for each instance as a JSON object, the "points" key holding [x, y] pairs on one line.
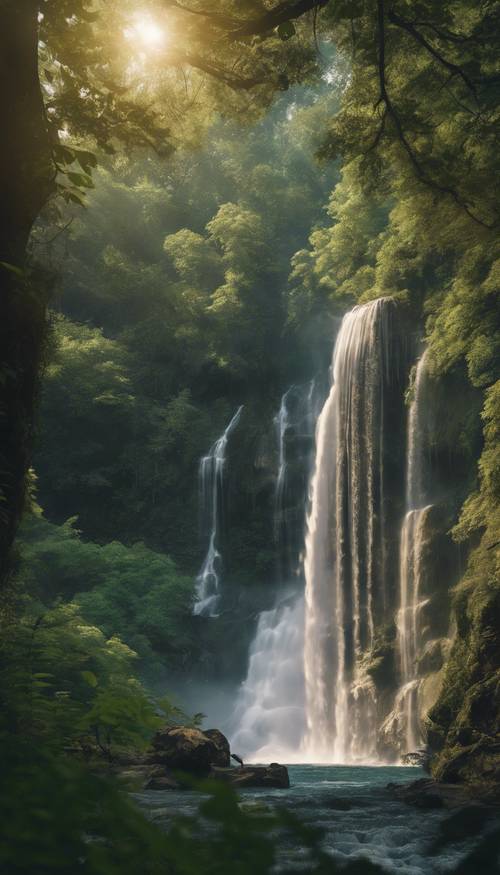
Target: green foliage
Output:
{"points": [[64, 683], [130, 592], [58, 818]]}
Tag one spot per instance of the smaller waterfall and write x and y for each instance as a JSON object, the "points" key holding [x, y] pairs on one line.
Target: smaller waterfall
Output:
{"points": [[211, 479], [281, 421], [405, 718], [269, 713], [295, 426], [269, 717]]}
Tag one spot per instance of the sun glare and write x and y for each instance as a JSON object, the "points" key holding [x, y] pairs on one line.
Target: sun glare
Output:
{"points": [[146, 32]]}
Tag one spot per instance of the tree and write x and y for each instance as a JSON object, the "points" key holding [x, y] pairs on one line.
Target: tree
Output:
{"points": [[436, 119]]}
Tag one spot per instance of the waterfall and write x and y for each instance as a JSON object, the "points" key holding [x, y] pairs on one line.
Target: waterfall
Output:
{"points": [[269, 715], [281, 422], [405, 716], [294, 424], [211, 479], [268, 720], [346, 588]]}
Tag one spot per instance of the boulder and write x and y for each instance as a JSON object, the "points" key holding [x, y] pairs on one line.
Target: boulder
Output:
{"points": [[162, 782], [274, 775], [189, 750]]}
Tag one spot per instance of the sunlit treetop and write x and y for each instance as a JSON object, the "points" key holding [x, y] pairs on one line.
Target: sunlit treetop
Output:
{"points": [[421, 88]]}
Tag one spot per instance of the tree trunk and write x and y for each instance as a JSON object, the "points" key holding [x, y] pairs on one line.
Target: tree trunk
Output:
{"points": [[26, 178]]}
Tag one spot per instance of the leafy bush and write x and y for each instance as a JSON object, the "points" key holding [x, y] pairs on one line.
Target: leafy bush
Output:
{"points": [[131, 592]]}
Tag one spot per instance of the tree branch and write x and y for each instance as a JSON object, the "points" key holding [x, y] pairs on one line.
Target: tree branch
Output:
{"points": [[238, 83], [410, 28], [394, 116], [287, 10], [283, 12]]}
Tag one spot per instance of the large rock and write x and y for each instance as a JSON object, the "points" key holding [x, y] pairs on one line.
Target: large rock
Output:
{"points": [[190, 750], [274, 775]]}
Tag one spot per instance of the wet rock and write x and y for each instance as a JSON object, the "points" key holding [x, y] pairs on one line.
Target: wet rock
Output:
{"points": [[189, 750], [416, 758], [427, 793], [273, 775], [162, 782]]}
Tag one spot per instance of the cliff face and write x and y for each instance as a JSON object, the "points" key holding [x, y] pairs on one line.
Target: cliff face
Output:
{"points": [[464, 725]]}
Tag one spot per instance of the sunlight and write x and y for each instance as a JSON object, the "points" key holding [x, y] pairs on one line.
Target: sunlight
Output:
{"points": [[146, 32]]}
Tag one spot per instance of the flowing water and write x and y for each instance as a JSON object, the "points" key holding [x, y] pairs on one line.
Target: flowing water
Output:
{"points": [[324, 638], [405, 718], [268, 720], [351, 805], [345, 543], [269, 717], [295, 424], [211, 481]]}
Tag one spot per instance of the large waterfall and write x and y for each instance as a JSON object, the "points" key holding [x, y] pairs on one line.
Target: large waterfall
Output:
{"points": [[406, 719], [346, 586], [211, 478], [308, 665]]}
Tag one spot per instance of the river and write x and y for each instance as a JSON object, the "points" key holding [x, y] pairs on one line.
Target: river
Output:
{"points": [[358, 815]]}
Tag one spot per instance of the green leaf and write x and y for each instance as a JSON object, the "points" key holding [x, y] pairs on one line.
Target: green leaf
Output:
{"points": [[74, 197], [89, 678], [13, 268], [86, 159], [63, 154], [286, 30], [79, 179]]}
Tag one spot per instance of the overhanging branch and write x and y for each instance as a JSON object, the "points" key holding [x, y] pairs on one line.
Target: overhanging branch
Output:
{"points": [[392, 113], [283, 12]]}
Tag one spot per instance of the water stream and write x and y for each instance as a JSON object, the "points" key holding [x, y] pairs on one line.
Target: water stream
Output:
{"points": [[211, 481], [405, 716], [345, 543]]}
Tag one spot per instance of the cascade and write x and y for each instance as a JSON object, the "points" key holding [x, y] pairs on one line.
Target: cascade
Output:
{"points": [[281, 422], [294, 423], [268, 719], [346, 588], [405, 719], [211, 479]]}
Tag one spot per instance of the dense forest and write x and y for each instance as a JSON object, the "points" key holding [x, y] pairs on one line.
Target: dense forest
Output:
{"points": [[192, 201]]}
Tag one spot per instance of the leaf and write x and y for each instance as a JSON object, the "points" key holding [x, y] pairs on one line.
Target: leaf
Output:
{"points": [[80, 180], [63, 154], [13, 268], [89, 678], [85, 159], [286, 30], [75, 198]]}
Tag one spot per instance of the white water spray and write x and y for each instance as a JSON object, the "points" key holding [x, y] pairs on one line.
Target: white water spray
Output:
{"points": [[211, 479], [269, 713]]}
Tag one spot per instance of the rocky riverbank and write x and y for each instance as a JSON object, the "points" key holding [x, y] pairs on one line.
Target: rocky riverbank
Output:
{"points": [[180, 754]]}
